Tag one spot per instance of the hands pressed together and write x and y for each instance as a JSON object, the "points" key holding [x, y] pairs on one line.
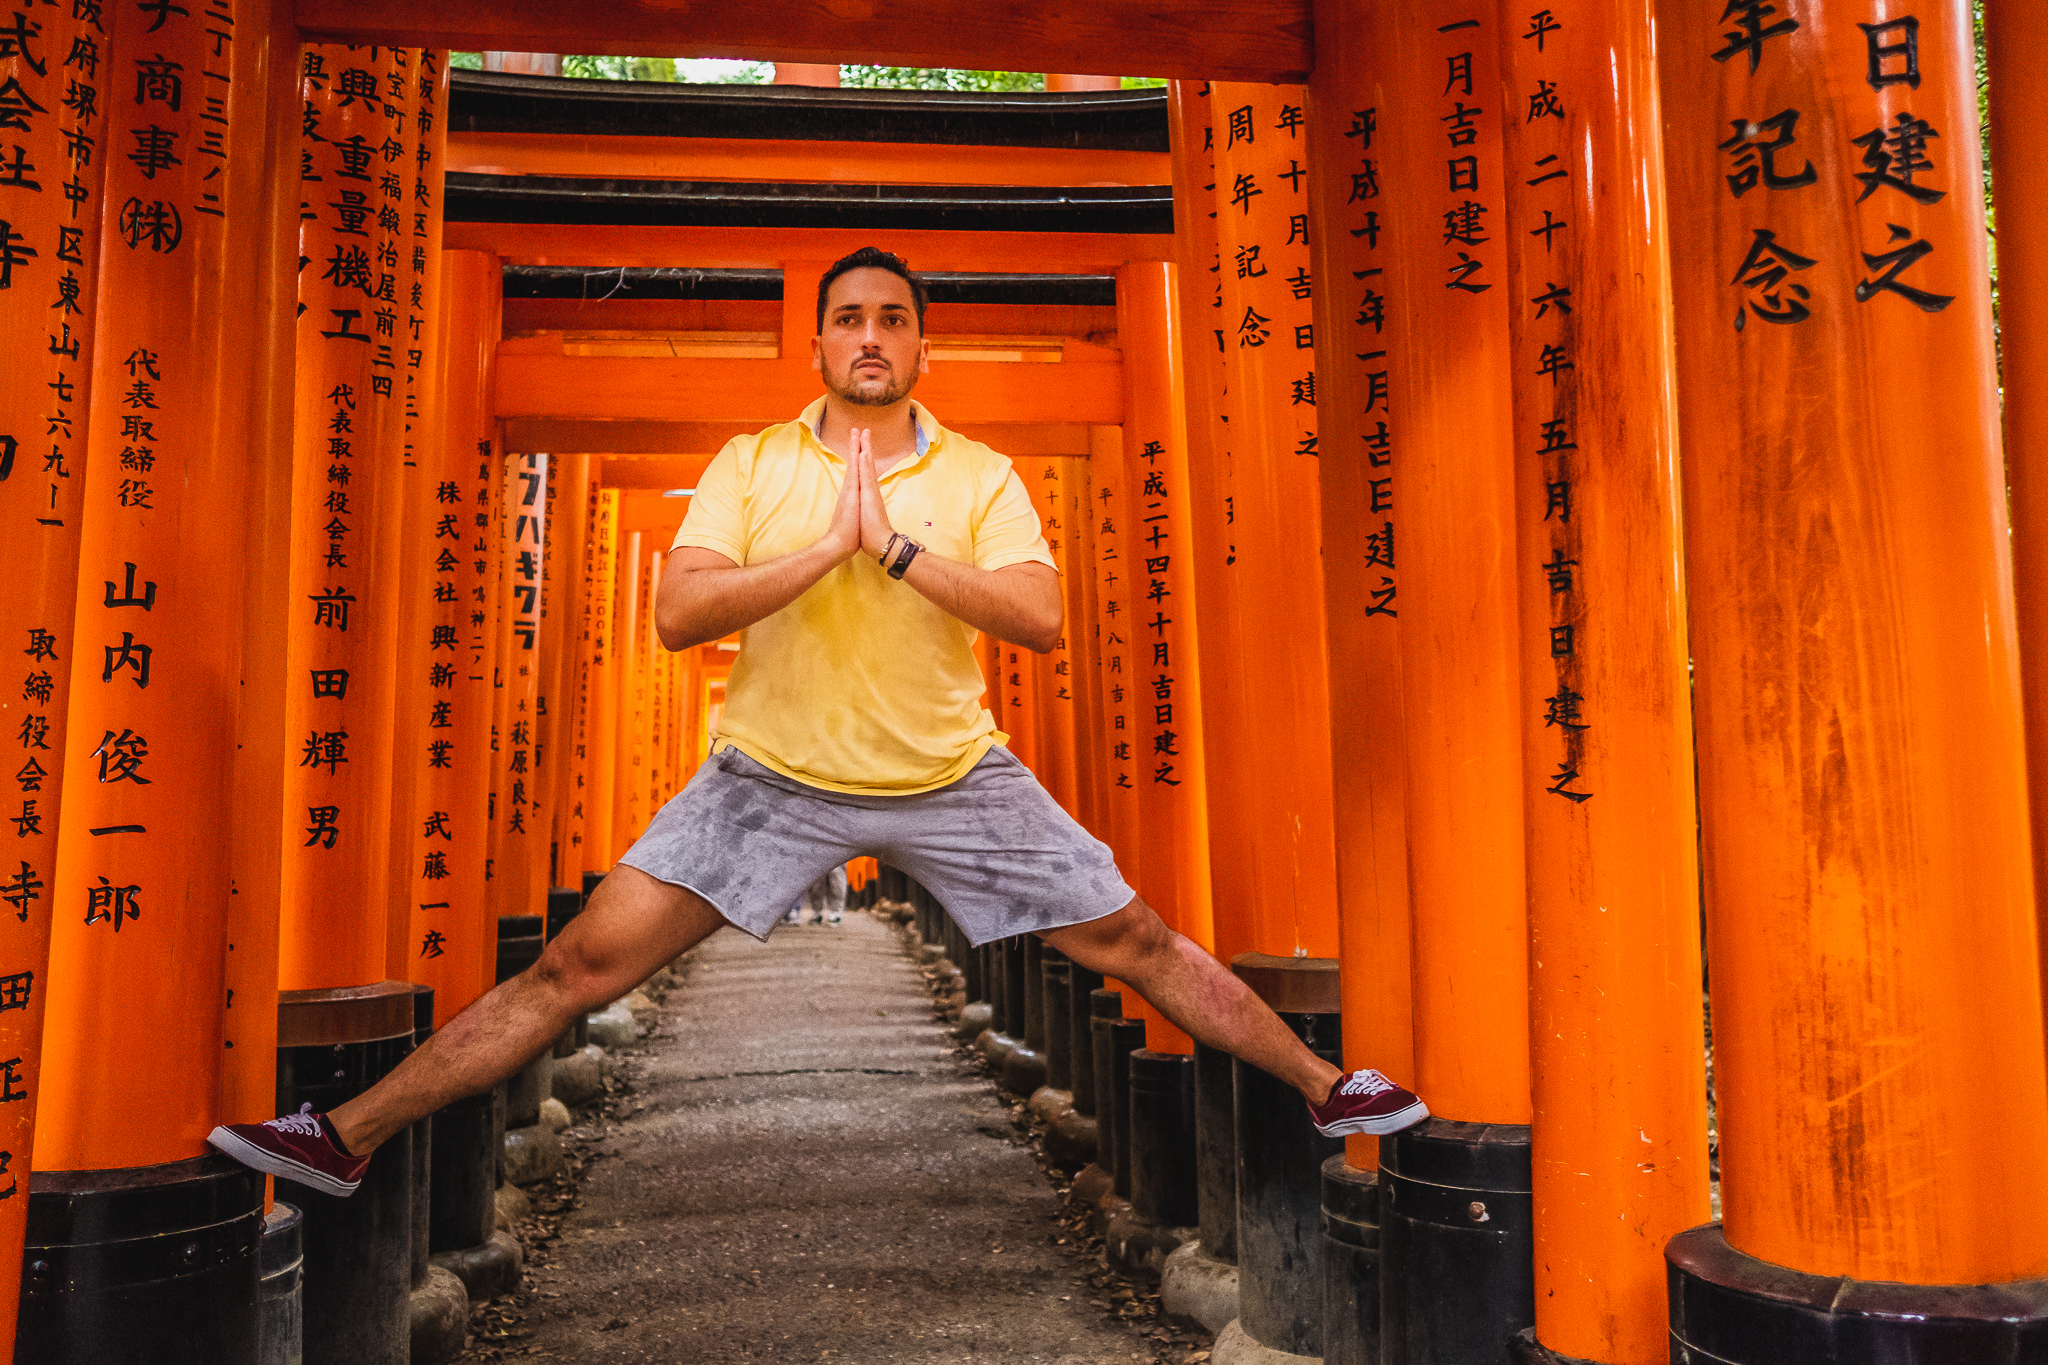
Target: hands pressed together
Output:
{"points": [[860, 522]]}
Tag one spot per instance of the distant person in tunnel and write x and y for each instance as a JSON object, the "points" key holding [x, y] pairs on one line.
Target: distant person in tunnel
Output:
{"points": [[860, 547]]}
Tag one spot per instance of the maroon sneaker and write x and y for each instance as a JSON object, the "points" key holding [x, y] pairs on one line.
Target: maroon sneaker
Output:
{"points": [[296, 1147], [1367, 1102]]}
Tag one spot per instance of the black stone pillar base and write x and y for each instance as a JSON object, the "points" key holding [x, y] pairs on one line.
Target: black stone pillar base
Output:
{"points": [[1022, 1071], [1457, 1250], [1280, 1159], [1728, 1308], [1072, 1139], [145, 1263], [1164, 1207], [1351, 1264], [332, 1046], [465, 1175], [1123, 1037], [1216, 1152]]}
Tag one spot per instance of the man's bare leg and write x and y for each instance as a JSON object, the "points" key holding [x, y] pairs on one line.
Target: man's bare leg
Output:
{"points": [[1195, 991], [633, 925]]}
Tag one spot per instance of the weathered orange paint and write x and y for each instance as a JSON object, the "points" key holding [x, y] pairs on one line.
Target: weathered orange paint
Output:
{"points": [[599, 705], [1619, 1138], [1366, 736], [629, 683], [561, 617], [1447, 377], [1870, 896], [1158, 593]]}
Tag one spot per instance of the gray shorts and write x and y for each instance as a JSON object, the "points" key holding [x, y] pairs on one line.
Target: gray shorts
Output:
{"points": [[993, 847]]}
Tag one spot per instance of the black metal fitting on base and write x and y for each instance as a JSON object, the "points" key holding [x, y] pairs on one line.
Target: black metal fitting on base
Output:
{"points": [[155, 1264], [1280, 1160], [1055, 969], [1727, 1306], [422, 1145], [1081, 987], [1105, 1007], [1216, 1152], [1162, 1138], [1351, 1264], [332, 1046], [1457, 1249]]}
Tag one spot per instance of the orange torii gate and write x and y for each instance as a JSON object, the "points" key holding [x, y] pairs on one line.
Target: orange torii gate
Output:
{"points": [[1535, 521]]}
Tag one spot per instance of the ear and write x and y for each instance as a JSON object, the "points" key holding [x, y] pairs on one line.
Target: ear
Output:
{"points": [[924, 355], [818, 354]]}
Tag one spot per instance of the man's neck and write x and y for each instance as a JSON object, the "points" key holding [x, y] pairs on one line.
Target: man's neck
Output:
{"points": [[894, 430]]}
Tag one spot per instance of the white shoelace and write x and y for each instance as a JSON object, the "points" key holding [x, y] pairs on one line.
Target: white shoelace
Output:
{"points": [[302, 1123], [1366, 1083]]}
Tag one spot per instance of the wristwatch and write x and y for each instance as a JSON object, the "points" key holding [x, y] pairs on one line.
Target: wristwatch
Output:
{"points": [[904, 556]]}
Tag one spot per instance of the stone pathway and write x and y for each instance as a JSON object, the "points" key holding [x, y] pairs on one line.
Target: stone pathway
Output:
{"points": [[815, 1176]]}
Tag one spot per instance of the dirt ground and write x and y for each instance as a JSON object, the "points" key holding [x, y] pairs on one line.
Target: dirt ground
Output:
{"points": [[799, 1164]]}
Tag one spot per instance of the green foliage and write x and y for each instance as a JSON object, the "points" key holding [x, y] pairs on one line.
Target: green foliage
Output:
{"points": [[937, 78], [466, 61], [619, 68]]}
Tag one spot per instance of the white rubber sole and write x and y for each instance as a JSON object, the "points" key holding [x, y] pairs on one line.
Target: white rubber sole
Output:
{"points": [[1379, 1127], [250, 1155]]}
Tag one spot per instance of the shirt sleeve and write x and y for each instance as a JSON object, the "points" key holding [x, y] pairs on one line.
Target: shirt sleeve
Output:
{"points": [[717, 519], [1007, 531]]}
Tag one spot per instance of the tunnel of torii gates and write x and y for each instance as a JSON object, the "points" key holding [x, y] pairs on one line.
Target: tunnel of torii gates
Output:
{"points": [[1531, 489]]}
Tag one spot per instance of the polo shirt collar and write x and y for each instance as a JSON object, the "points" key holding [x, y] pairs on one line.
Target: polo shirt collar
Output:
{"points": [[922, 424]]}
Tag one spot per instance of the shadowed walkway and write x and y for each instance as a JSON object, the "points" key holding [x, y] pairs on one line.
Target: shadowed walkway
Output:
{"points": [[816, 1176]]}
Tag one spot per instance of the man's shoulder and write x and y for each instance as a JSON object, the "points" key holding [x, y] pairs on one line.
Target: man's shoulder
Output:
{"points": [[973, 456]]}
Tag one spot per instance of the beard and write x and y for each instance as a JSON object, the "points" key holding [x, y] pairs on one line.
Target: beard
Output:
{"points": [[869, 390]]}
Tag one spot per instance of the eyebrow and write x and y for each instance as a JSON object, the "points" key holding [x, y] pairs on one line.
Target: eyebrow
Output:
{"points": [[856, 307]]}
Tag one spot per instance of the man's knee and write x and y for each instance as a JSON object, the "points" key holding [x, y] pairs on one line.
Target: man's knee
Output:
{"points": [[1130, 935], [566, 973]]}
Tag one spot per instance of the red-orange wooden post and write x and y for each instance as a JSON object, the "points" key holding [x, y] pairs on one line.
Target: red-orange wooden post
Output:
{"points": [[1436, 187], [602, 708], [147, 778], [1356, 427], [345, 506], [515, 868], [263, 378], [1619, 1139], [451, 943], [49, 270], [2012, 32], [630, 691], [567, 494], [1158, 599], [1047, 479], [1116, 744], [1869, 882]]}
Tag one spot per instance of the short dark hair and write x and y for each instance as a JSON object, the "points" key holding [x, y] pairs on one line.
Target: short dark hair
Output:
{"points": [[874, 258]]}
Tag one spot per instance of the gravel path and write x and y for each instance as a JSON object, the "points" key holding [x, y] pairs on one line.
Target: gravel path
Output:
{"points": [[815, 1175]]}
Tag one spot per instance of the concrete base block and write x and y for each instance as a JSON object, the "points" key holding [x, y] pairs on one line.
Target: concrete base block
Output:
{"points": [[975, 1019], [554, 1115], [642, 1008], [532, 1153], [612, 1026], [994, 1045], [1048, 1104], [1072, 1140], [484, 1271], [1139, 1248], [1234, 1346], [579, 1077], [510, 1207], [1198, 1289], [1089, 1187], [1107, 1210], [526, 1088], [440, 1317], [1023, 1070]]}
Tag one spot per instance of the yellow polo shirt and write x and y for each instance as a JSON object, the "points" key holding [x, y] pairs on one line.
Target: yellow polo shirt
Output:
{"points": [[861, 685]]}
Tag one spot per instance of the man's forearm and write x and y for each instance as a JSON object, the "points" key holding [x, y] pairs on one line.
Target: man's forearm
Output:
{"points": [[698, 605], [1012, 607]]}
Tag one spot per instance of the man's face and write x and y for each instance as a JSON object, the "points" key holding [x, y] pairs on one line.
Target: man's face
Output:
{"points": [[871, 352]]}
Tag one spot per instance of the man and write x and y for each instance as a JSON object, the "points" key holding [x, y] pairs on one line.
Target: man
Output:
{"points": [[861, 547]]}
